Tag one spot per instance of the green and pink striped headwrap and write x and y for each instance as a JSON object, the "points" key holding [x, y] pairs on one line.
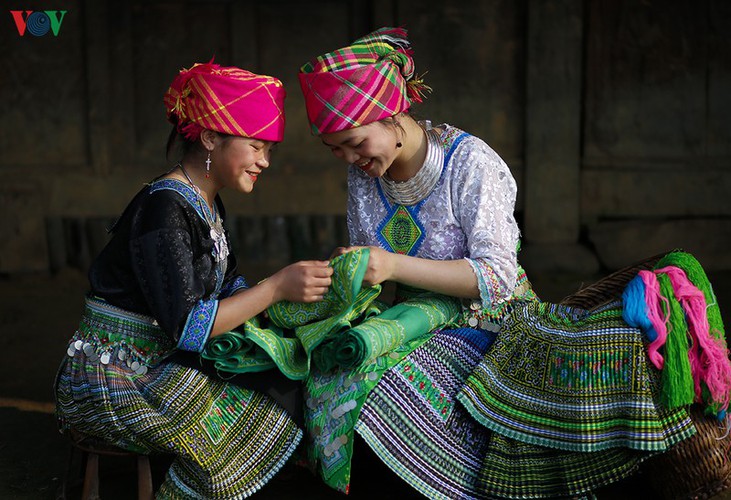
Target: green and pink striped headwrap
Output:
{"points": [[229, 100], [367, 81]]}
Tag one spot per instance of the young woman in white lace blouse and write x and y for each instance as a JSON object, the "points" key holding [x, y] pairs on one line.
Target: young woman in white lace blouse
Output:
{"points": [[456, 234], [522, 399]]}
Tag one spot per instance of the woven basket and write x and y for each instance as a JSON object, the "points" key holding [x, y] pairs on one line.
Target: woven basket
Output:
{"points": [[696, 468]]}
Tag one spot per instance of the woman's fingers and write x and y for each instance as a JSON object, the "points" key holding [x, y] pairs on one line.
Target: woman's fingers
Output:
{"points": [[316, 263], [317, 275], [320, 283], [314, 294]]}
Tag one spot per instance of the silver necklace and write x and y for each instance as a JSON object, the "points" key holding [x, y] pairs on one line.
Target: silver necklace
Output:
{"points": [[215, 224], [412, 191]]}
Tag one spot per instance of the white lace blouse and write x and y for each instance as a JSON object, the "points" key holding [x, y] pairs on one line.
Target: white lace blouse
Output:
{"points": [[469, 215]]}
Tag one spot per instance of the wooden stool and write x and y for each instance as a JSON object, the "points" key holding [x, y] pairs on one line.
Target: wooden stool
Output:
{"points": [[91, 448]]}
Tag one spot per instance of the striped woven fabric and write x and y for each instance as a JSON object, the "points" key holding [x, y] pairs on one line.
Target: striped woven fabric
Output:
{"points": [[228, 441], [415, 424], [364, 82], [229, 100], [586, 385], [513, 469]]}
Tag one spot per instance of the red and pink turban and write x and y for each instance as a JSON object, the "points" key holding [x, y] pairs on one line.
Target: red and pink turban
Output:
{"points": [[367, 81], [227, 100]]}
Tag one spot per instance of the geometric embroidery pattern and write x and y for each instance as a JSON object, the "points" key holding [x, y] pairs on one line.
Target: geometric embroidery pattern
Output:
{"points": [[198, 326], [239, 283], [401, 231]]}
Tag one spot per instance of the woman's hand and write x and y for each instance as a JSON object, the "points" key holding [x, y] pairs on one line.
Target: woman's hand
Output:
{"points": [[381, 264], [304, 281], [449, 277]]}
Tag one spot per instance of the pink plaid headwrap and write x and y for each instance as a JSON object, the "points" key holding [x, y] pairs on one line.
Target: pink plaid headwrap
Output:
{"points": [[369, 80], [227, 100]]}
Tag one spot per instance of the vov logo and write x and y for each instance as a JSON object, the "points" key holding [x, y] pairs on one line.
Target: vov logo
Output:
{"points": [[38, 23]]}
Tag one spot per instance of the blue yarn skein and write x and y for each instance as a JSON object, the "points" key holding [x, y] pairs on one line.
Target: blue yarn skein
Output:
{"points": [[634, 308]]}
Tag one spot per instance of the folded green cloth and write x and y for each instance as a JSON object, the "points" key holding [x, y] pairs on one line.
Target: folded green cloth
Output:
{"points": [[382, 333], [347, 328], [286, 335], [234, 352]]}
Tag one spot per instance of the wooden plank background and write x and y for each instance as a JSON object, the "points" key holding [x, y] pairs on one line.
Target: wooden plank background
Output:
{"points": [[612, 115]]}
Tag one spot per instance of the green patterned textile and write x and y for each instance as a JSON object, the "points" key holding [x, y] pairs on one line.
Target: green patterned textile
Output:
{"points": [[346, 329], [518, 470], [585, 387], [254, 350], [383, 333], [287, 335], [341, 347], [333, 401], [402, 232], [351, 350]]}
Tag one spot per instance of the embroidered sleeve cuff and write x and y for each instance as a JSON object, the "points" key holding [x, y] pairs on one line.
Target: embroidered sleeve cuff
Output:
{"points": [[238, 283], [492, 288], [198, 327]]}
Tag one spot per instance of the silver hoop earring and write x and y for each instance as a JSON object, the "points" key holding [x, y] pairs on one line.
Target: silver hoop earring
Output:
{"points": [[208, 165]]}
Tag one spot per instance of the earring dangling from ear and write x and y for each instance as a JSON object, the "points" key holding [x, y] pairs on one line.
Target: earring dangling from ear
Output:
{"points": [[208, 165], [398, 144]]}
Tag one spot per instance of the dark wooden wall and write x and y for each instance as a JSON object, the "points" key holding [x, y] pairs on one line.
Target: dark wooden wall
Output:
{"points": [[656, 160], [612, 115]]}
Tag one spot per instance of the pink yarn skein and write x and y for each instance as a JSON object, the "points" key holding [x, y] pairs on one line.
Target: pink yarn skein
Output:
{"points": [[707, 355], [659, 320]]}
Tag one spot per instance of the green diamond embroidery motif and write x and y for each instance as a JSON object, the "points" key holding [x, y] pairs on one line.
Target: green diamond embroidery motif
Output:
{"points": [[401, 231]]}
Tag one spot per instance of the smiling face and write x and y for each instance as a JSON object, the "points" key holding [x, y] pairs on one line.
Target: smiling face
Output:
{"points": [[239, 161], [371, 147]]}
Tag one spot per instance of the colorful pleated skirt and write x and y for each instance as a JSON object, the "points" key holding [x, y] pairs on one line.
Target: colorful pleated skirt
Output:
{"points": [[228, 441], [562, 403]]}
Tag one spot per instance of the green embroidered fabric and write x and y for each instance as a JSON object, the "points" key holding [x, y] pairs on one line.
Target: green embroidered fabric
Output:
{"points": [[383, 333], [348, 328], [401, 231], [332, 407], [289, 332]]}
